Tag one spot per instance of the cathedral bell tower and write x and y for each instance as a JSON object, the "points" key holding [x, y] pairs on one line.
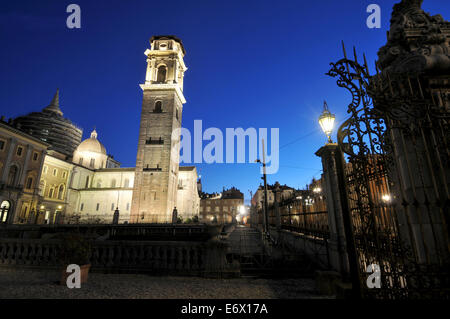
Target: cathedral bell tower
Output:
{"points": [[157, 162]]}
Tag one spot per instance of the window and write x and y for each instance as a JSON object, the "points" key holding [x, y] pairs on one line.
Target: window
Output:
{"points": [[45, 169], [55, 172], [98, 206], [113, 183], [112, 206], [4, 209], [176, 113], [64, 174], [35, 156], [61, 192], [42, 187], [128, 206], [50, 192], [99, 183], [87, 182], [92, 162], [81, 207], [2, 145], [19, 151], [12, 176], [29, 182], [154, 141], [158, 107], [161, 78], [127, 183], [80, 161]]}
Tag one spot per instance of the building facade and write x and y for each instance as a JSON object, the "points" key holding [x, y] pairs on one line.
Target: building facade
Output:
{"points": [[188, 200], [21, 161], [53, 188]]}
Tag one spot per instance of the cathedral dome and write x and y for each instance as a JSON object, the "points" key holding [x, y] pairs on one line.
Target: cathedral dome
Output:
{"points": [[91, 153], [92, 144]]}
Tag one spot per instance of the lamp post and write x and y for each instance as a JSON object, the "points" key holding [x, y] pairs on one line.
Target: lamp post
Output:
{"points": [[326, 121], [332, 156]]}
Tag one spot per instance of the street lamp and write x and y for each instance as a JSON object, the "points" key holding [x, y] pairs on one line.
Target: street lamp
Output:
{"points": [[326, 121]]}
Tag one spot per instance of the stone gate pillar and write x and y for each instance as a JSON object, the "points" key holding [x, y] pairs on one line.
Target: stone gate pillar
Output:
{"points": [[332, 160], [411, 90]]}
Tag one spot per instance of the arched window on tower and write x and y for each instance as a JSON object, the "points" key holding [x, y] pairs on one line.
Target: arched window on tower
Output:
{"points": [[158, 107], [161, 78]]}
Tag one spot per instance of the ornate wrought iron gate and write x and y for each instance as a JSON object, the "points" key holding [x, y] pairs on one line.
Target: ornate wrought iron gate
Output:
{"points": [[397, 175]]}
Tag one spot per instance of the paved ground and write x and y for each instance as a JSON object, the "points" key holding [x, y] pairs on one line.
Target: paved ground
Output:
{"points": [[41, 284]]}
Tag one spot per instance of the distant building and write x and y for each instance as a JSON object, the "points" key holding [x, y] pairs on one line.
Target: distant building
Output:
{"points": [[21, 160], [258, 197], [221, 207]]}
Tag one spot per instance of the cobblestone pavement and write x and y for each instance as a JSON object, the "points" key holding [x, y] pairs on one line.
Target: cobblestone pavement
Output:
{"points": [[42, 284]]}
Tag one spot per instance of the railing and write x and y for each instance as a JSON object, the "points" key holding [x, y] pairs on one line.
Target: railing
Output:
{"points": [[306, 215], [187, 258], [313, 224]]}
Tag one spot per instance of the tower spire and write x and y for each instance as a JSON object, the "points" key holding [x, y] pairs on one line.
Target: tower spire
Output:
{"points": [[54, 104]]}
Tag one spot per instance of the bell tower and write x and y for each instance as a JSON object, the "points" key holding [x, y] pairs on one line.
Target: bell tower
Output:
{"points": [[157, 161]]}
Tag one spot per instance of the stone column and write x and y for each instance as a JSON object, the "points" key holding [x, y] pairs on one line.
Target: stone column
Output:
{"points": [[334, 192]]}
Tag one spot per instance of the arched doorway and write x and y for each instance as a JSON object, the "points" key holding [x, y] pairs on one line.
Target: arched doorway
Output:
{"points": [[5, 207]]}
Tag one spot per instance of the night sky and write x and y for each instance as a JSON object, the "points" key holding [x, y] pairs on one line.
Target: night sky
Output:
{"points": [[250, 64]]}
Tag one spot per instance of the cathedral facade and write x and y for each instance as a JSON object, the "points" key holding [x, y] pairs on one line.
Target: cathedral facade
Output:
{"points": [[80, 182]]}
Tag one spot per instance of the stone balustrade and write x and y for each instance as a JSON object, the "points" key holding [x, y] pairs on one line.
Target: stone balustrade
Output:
{"points": [[175, 258]]}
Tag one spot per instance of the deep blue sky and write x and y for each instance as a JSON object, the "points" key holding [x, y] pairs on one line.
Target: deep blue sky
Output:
{"points": [[251, 64]]}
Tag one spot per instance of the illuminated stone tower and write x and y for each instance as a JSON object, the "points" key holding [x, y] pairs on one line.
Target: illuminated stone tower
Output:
{"points": [[157, 162]]}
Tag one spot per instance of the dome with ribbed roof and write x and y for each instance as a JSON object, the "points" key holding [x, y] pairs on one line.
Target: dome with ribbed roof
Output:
{"points": [[91, 153], [50, 126], [92, 144]]}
